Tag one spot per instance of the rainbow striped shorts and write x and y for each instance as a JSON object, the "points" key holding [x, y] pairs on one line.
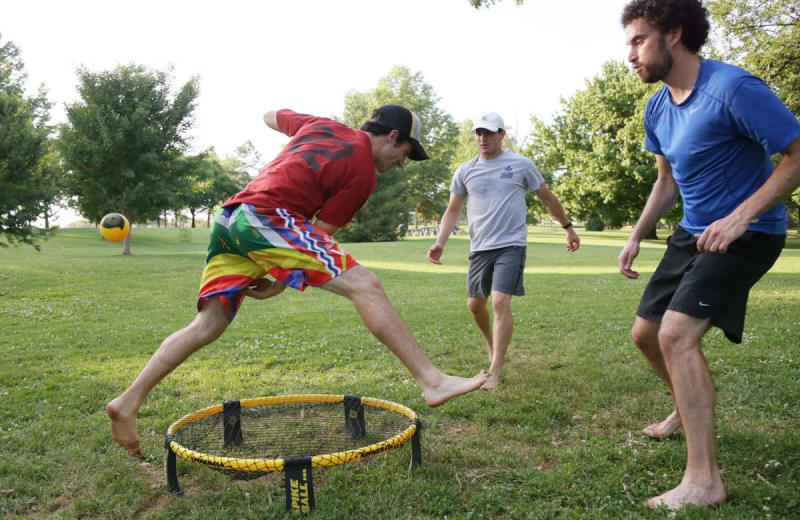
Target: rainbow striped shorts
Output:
{"points": [[247, 243]]}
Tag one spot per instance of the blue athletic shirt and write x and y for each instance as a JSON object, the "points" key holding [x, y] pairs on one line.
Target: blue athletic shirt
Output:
{"points": [[719, 143]]}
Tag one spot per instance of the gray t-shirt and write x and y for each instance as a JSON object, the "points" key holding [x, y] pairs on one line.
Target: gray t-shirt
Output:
{"points": [[495, 190]]}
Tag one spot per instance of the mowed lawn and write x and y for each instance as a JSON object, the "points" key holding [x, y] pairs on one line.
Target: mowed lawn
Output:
{"points": [[560, 439]]}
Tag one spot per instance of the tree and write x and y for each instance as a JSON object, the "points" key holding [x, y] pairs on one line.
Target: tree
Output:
{"points": [[205, 184], [244, 164], [122, 139], [50, 178], [477, 4], [420, 188], [24, 135], [593, 152]]}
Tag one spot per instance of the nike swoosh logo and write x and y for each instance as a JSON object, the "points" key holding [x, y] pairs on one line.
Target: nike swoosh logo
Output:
{"points": [[701, 304], [693, 110]]}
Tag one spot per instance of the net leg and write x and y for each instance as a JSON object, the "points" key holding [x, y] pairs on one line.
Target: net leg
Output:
{"points": [[170, 463], [416, 447], [354, 424], [232, 419], [299, 484]]}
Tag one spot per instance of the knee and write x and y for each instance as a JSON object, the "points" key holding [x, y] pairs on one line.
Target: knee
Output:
{"points": [[501, 308], [645, 336], [208, 331], [476, 306], [369, 283], [674, 341], [210, 323]]}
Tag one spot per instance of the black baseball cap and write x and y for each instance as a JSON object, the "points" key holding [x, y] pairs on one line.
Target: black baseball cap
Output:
{"points": [[404, 121]]}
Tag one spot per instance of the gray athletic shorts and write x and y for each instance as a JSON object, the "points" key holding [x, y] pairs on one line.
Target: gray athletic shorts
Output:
{"points": [[709, 284], [496, 270]]}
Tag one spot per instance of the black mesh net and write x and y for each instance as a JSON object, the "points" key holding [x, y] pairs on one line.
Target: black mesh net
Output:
{"points": [[246, 442]]}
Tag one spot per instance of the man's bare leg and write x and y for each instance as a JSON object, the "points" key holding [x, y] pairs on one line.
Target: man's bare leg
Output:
{"points": [[645, 336], [477, 307], [680, 338], [363, 288], [207, 326], [502, 330]]}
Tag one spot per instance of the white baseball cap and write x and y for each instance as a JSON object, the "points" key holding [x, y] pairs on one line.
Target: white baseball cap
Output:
{"points": [[489, 121]]}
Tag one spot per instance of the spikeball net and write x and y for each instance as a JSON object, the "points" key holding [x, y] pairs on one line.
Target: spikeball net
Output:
{"points": [[249, 438]]}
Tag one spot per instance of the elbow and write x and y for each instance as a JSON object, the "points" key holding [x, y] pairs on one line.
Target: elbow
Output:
{"points": [[271, 119]]}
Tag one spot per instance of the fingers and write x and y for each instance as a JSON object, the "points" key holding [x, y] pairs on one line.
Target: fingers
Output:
{"points": [[263, 289], [706, 243], [625, 262], [701, 241], [434, 255]]}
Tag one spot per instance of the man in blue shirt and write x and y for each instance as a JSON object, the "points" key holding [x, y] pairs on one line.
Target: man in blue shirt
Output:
{"points": [[713, 128]]}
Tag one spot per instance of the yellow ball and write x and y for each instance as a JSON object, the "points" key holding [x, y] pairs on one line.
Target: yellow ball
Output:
{"points": [[114, 227]]}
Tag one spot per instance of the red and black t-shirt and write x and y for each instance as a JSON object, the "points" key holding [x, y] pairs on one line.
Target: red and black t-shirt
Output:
{"points": [[326, 170]]}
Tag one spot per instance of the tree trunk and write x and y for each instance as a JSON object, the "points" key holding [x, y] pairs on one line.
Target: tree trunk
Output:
{"points": [[126, 245]]}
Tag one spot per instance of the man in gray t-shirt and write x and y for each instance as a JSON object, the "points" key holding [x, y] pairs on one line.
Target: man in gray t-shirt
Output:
{"points": [[494, 184]]}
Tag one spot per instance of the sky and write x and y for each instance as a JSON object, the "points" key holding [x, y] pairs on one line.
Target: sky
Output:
{"points": [[306, 55]]}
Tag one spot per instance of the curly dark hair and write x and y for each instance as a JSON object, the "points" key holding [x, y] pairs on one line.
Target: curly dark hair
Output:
{"points": [[664, 15]]}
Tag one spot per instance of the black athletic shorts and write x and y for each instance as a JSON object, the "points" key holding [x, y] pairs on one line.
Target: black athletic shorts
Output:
{"points": [[709, 284], [496, 270]]}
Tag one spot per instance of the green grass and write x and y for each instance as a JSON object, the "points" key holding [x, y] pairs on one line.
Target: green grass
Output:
{"points": [[560, 439]]}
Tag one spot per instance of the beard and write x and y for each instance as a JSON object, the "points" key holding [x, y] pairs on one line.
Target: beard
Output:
{"points": [[658, 70]]}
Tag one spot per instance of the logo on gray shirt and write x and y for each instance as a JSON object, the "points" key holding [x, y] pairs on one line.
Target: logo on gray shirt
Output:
{"points": [[508, 173]]}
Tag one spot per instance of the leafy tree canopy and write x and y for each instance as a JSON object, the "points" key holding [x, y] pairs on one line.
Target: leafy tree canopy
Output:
{"points": [[477, 4], [422, 186], [204, 183], [25, 182], [122, 138], [593, 151]]}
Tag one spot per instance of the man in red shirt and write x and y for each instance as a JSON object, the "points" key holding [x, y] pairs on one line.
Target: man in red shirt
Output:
{"points": [[325, 173]]}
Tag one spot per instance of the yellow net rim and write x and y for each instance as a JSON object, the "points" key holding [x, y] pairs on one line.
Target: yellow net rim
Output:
{"points": [[317, 461]]}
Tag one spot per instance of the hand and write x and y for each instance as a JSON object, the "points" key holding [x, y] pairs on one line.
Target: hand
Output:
{"points": [[625, 260], [435, 253], [264, 288], [573, 242], [720, 234]]}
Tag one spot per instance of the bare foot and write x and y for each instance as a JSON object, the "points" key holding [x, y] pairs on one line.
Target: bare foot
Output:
{"points": [[453, 386], [690, 494], [493, 381], [665, 428], [123, 428]]}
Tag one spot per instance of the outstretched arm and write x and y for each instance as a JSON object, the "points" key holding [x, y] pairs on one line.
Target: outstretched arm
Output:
{"points": [[661, 198], [449, 222], [324, 226], [555, 208], [783, 181]]}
